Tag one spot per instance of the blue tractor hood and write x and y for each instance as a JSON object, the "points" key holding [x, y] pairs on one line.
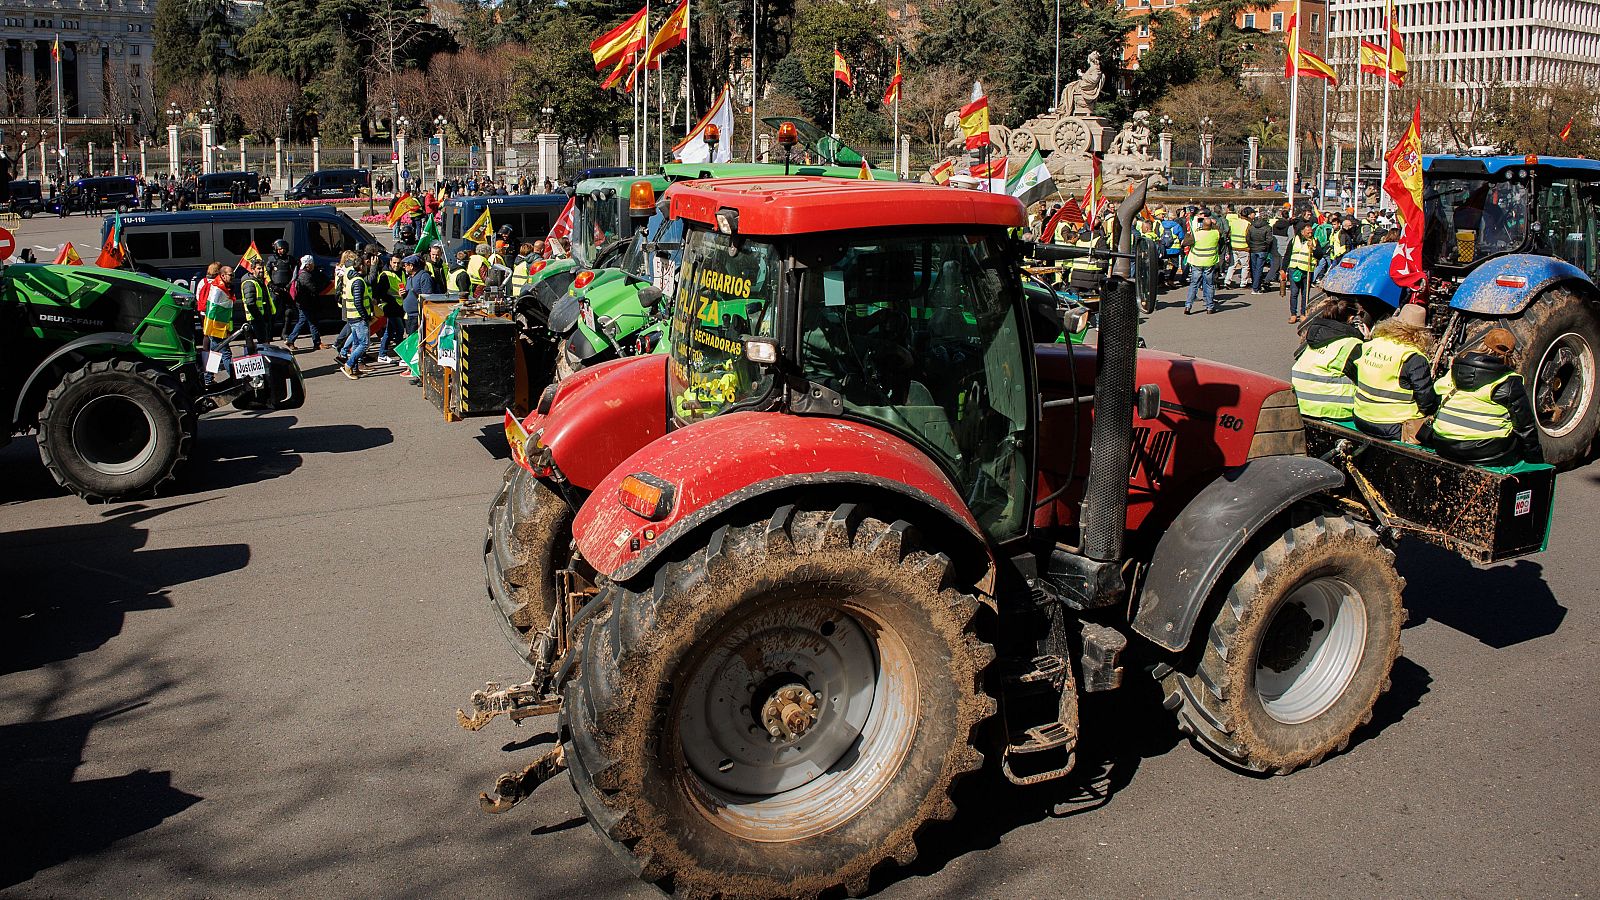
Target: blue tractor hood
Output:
{"points": [[1364, 272]]}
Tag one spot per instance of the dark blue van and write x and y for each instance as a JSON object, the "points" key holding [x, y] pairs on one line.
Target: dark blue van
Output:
{"points": [[178, 246], [529, 215]]}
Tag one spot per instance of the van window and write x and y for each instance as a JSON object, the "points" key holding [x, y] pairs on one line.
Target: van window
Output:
{"points": [[147, 246], [327, 239], [185, 245], [237, 240]]}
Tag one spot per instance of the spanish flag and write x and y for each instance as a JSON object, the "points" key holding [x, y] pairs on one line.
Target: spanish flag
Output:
{"points": [[1566, 130], [1304, 62], [1402, 181], [841, 69], [669, 35], [55, 49], [1398, 67], [892, 95], [941, 172], [251, 254], [621, 42], [404, 205], [1374, 61], [866, 171], [975, 119], [68, 256]]}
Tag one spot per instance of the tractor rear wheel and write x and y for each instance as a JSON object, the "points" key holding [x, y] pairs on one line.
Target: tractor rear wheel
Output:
{"points": [[115, 429], [781, 711], [1558, 336], [530, 539], [1299, 651]]}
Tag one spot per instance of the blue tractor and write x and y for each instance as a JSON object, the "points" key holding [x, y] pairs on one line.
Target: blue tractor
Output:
{"points": [[1512, 241]]}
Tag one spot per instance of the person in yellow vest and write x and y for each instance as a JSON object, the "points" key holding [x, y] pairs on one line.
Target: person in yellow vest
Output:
{"points": [[391, 296], [476, 266], [1485, 417], [1238, 249], [1301, 260], [355, 307], [257, 301], [1333, 341], [459, 281], [1394, 383], [1084, 272], [519, 272], [1204, 249]]}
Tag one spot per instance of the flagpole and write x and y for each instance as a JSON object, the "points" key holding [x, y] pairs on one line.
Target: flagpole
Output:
{"points": [[894, 152], [1388, 69], [755, 15], [833, 127], [1294, 107], [688, 67], [60, 157], [1356, 190], [661, 117], [1322, 165], [644, 96]]}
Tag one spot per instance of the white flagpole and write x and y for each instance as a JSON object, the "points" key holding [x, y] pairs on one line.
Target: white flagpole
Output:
{"points": [[60, 157], [644, 96], [755, 15], [688, 68], [1388, 67], [661, 113], [1322, 165], [1356, 190], [1294, 108], [833, 127]]}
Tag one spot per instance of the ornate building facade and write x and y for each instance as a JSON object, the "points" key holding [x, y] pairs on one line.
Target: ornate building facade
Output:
{"points": [[107, 58]]}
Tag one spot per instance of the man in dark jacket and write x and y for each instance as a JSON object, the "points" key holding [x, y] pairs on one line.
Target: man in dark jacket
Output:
{"points": [[1259, 238], [1485, 417]]}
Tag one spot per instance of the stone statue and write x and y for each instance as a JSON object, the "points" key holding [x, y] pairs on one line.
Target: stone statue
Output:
{"points": [[957, 145], [1134, 138], [1078, 99]]}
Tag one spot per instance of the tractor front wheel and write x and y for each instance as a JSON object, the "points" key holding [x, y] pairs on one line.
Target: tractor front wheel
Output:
{"points": [[1299, 650], [781, 711], [1557, 337], [113, 430]]}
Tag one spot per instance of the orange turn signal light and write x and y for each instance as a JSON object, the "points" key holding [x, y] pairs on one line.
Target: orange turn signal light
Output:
{"points": [[583, 279], [642, 197], [538, 267], [1532, 159], [646, 496]]}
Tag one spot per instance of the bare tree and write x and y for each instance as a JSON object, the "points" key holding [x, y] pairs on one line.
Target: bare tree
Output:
{"points": [[262, 102], [927, 97], [473, 89]]}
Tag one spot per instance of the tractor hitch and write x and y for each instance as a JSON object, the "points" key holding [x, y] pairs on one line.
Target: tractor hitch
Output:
{"points": [[519, 701], [513, 787]]}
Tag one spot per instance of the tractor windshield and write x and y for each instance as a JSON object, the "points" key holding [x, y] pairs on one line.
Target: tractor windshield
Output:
{"points": [[725, 292], [599, 221], [920, 334], [1473, 218]]}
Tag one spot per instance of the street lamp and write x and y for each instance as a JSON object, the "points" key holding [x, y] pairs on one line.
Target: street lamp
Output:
{"points": [[1165, 122]]}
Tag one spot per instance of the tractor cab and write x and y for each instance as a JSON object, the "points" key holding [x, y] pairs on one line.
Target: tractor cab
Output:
{"points": [[1478, 209], [920, 332]]}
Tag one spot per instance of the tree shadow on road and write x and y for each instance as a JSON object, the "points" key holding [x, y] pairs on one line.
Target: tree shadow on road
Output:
{"points": [[50, 818], [1501, 606], [70, 586]]}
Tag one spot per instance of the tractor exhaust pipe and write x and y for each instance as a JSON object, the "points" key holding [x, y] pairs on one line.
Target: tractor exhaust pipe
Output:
{"points": [[1103, 519]]}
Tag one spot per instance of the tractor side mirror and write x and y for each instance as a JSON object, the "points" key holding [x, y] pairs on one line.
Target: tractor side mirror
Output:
{"points": [[1147, 402], [762, 351], [649, 297]]}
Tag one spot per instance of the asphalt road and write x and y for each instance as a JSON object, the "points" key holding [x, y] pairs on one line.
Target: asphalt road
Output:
{"points": [[247, 688]]}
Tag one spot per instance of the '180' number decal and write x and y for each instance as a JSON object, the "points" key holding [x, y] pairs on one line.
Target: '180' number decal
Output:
{"points": [[1232, 423]]}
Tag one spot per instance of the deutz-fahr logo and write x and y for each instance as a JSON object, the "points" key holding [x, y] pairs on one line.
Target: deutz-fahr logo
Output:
{"points": [[75, 321]]}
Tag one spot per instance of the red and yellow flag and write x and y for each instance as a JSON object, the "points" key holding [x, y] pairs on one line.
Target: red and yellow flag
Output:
{"points": [[670, 35], [251, 254], [892, 95], [68, 256], [55, 50], [974, 119], [866, 171], [1566, 130], [841, 69], [1398, 67], [1402, 181], [941, 173], [404, 205], [1299, 61], [615, 46]]}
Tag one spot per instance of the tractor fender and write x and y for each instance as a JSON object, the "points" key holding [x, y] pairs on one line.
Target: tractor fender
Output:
{"points": [[110, 340], [1206, 536], [1482, 293], [613, 411], [1364, 272], [740, 460]]}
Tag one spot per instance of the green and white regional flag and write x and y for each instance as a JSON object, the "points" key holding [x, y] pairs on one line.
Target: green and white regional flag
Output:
{"points": [[407, 351], [1033, 182], [447, 340], [428, 236]]}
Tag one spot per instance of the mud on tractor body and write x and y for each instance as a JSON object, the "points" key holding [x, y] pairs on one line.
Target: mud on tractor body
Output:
{"points": [[855, 534]]}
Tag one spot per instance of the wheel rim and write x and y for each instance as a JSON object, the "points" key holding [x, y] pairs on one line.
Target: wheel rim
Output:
{"points": [[1563, 384], [1310, 650], [766, 758], [114, 435]]}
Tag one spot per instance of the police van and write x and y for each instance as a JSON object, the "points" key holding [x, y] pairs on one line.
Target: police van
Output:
{"points": [[529, 215], [228, 187], [178, 246], [331, 184]]}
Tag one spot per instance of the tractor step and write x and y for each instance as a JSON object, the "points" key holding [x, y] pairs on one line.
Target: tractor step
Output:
{"points": [[520, 701], [1040, 752]]}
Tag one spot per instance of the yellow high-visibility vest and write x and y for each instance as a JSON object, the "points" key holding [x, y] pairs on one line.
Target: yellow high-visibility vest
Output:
{"points": [[1380, 397], [1300, 254], [475, 267], [1471, 415], [1320, 386], [1237, 226], [1203, 254]]}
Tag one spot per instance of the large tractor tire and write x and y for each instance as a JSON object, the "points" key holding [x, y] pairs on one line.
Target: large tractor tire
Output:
{"points": [[1558, 336], [780, 712], [1300, 649], [114, 430], [530, 539]]}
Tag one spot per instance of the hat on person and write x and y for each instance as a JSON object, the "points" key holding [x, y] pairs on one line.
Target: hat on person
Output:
{"points": [[483, 248], [308, 260], [412, 260], [1497, 342]]}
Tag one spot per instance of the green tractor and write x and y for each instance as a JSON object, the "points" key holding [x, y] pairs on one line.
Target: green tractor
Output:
{"points": [[102, 364]]}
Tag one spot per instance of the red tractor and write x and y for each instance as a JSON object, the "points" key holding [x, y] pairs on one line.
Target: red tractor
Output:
{"points": [[856, 532]]}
